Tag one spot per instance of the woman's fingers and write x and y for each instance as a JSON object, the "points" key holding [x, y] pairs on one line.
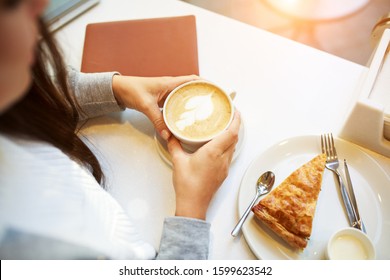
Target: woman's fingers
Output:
{"points": [[224, 143], [174, 148], [156, 117], [229, 137], [176, 81]]}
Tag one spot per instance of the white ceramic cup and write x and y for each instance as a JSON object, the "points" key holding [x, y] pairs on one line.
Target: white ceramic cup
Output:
{"points": [[190, 144], [350, 244]]}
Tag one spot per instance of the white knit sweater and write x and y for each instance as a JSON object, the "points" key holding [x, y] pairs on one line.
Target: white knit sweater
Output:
{"points": [[51, 207]]}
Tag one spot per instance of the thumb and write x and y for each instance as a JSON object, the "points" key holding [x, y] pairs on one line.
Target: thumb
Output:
{"points": [[174, 148], [157, 119]]}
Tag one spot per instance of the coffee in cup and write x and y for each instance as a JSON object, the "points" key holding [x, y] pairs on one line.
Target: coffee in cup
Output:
{"points": [[197, 111]]}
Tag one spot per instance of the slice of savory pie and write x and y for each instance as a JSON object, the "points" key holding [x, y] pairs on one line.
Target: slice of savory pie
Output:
{"points": [[289, 209]]}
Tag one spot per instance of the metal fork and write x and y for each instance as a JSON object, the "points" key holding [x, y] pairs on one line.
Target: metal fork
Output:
{"points": [[332, 163]]}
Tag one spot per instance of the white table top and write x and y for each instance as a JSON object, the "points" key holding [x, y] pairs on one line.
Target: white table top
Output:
{"points": [[283, 91]]}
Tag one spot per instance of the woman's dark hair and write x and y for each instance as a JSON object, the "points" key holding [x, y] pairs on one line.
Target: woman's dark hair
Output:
{"points": [[49, 111]]}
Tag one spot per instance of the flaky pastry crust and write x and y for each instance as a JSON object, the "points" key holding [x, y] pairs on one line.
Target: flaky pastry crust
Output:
{"points": [[289, 209]]}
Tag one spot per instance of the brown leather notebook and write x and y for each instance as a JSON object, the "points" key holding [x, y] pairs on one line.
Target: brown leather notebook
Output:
{"points": [[146, 47]]}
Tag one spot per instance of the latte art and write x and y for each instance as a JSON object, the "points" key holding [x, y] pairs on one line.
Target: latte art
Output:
{"points": [[198, 108], [198, 111]]}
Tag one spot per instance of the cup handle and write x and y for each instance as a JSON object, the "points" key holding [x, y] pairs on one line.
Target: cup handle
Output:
{"points": [[233, 94]]}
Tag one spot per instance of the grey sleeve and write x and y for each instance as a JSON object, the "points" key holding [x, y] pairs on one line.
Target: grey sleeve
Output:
{"points": [[184, 239], [93, 92]]}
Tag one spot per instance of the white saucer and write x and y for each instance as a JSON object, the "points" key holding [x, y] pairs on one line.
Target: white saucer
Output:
{"points": [[162, 148]]}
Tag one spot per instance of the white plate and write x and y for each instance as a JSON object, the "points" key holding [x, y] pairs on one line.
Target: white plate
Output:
{"points": [[371, 186]]}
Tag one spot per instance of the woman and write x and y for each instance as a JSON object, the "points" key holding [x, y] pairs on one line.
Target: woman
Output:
{"points": [[51, 203]]}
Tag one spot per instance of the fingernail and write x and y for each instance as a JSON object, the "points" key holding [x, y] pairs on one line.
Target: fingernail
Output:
{"points": [[165, 135]]}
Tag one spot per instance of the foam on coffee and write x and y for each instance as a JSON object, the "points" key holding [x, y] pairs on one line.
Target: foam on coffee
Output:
{"points": [[198, 111]]}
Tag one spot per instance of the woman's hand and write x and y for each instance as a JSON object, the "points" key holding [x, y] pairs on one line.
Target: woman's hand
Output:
{"points": [[197, 176], [147, 95]]}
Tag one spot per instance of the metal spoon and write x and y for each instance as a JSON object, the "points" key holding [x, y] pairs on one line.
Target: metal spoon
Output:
{"points": [[264, 185]]}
